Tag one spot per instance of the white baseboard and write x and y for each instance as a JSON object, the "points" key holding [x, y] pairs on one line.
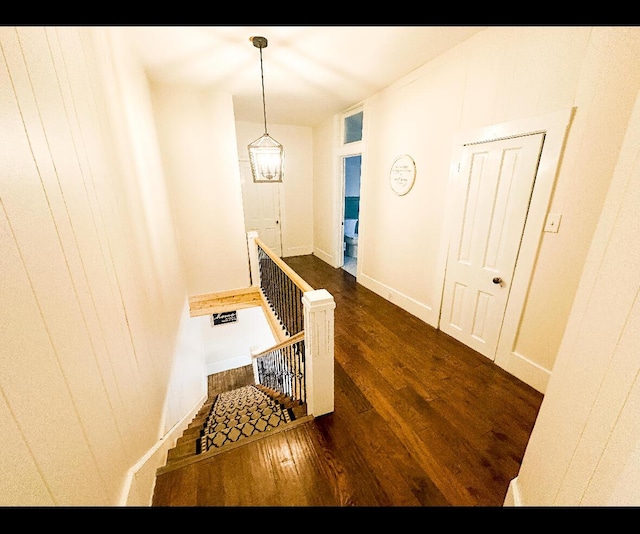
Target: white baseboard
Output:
{"points": [[524, 369], [420, 310], [513, 494], [297, 251], [141, 478], [324, 256]]}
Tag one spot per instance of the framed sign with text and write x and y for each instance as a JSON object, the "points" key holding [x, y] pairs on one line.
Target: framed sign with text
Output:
{"points": [[402, 174], [224, 318]]}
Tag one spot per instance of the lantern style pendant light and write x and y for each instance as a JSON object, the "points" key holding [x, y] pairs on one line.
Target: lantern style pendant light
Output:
{"points": [[266, 154]]}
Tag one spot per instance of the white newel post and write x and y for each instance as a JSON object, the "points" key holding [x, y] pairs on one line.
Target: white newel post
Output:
{"points": [[319, 339], [253, 258]]}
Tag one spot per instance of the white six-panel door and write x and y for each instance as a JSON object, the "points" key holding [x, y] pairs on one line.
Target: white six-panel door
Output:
{"points": [[261, 209], [494, 186]]}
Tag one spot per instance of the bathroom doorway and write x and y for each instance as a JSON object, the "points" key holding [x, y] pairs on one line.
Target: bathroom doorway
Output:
{"points": [[351, 169], [348, 177]]}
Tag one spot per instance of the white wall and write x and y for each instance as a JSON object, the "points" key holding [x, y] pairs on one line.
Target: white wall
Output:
{"points": [[197, 138], [327, 193], [230, 345], [94, 346], [297, 200], [501, 74], [584, 448]]}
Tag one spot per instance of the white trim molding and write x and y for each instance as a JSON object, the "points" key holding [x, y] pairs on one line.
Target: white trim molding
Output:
{"points": [[414, 307], [140, 481]]}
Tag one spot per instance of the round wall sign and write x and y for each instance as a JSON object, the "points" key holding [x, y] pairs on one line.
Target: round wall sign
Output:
{"points": [[402, 174]]}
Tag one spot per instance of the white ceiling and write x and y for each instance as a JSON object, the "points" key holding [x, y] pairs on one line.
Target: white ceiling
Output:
{"points": [[310, 72]]}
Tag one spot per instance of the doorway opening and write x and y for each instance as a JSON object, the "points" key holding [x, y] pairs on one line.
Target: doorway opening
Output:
{"points": [[351, 216], [350, 154]]}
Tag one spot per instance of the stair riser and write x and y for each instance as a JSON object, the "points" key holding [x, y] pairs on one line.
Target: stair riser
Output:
{"points": [[271, 406]]}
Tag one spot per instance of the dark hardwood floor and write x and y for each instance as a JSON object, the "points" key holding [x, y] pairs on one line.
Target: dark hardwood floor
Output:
{"points": [[419, 420]]}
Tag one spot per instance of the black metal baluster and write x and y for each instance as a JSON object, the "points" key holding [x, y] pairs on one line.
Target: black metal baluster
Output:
{"points": [[283, 370], [281, 300], [291, 301], [299, 310], [280, 371], [289, 390]]}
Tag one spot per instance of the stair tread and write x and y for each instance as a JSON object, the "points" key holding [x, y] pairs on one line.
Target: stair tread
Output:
{"points": [[240, 413], [188, 459], [233, 417]]}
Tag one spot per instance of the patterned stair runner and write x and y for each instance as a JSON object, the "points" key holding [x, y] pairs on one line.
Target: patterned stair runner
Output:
{"points": [[239, 414]]}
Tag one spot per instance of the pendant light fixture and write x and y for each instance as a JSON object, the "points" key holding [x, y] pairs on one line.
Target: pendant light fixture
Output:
{"points": [[266, 154]]}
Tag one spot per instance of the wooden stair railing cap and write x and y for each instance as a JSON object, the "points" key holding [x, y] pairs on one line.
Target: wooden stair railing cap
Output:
{"points": [[295, 277], [289, 341]]}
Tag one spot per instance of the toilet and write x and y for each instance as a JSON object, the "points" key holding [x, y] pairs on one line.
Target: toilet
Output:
{"points": [[351, 237]]}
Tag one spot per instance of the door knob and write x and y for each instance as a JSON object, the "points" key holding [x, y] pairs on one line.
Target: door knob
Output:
{"points": [[497, 280]]}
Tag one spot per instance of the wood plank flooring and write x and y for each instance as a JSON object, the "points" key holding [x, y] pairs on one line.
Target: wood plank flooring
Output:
{"points": [[419, 420]]}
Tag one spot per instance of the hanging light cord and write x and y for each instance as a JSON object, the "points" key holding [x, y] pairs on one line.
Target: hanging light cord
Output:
{"points": [[264, 106]]}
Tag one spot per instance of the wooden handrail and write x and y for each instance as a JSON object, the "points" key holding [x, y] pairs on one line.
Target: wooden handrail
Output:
{"points": [[295, 277], [289, 341]]}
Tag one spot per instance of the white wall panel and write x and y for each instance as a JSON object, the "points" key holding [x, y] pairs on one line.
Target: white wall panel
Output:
{"points": [[29, 489], [95, 353], [584, 446], [86, 216]]}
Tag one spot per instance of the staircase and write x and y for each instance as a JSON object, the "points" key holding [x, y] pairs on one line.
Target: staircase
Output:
{"points": [[232, 418], [237, 410]]}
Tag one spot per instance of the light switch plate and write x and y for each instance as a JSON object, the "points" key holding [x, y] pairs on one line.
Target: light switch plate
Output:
{"points": [[553, 222]]}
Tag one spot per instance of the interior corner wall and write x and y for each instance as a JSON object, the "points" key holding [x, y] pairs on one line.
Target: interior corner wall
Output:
{"points": [[196, 130], [296, 204]]}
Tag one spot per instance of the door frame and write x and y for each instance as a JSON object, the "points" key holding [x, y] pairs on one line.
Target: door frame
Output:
{"points": [[555, 127], [342, 151], [343, 161]]}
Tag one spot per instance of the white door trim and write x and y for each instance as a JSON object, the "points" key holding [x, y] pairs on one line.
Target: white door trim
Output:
{"points": [[340, 152], [555, 127]]}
